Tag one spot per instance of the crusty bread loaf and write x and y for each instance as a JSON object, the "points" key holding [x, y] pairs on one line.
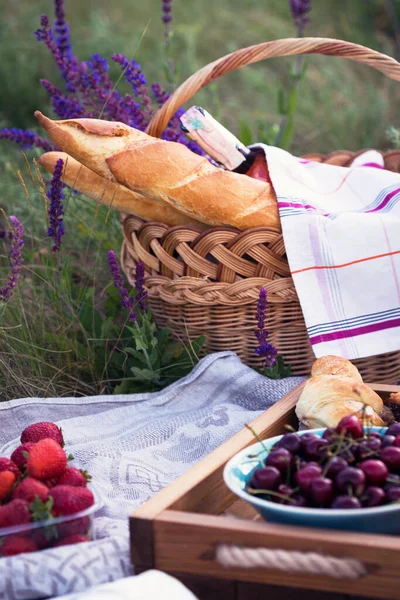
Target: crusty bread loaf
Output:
{"points": [[112, 194], [334, 391], [166, 171], [334, 365], [91, 141]]}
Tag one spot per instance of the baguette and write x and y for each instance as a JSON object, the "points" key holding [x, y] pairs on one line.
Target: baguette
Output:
{"points": [[166, 171], [112, 194]]}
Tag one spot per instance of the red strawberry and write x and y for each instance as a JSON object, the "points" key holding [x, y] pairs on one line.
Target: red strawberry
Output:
{"points": [[8, 465], [74, 477], [17, 545], [72, 539], [50, 483], [40, 431], [68, 500], [74, 527], [46, 459], [18, 456], [29, 489], [7, 480], [15, 512]]}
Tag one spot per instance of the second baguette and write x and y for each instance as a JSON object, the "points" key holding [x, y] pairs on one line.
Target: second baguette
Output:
{"points": [[112, 194]]}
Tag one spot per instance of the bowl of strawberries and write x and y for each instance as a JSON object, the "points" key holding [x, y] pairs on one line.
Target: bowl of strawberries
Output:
{"points": [[44, 501]]}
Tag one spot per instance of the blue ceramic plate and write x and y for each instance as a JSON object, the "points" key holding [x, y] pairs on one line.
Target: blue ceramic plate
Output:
{"points": [[237, 474]]}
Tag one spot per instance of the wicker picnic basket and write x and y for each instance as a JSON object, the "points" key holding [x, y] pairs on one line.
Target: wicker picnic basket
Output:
{"points": [[207, 282]]}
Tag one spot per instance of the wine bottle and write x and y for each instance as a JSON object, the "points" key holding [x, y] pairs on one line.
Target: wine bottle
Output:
{"points": [[222, 146]]}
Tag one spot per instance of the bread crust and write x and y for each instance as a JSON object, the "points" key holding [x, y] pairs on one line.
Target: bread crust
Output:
{"points": [[90, 141], [166, 171], [112, 194], [194, 186], [334, 391]]}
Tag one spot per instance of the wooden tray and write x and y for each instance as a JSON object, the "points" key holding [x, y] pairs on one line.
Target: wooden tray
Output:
{"points": [[179, 530]]}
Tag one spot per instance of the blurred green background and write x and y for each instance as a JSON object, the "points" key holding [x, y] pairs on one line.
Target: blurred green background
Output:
{"points": [[342, 105]]}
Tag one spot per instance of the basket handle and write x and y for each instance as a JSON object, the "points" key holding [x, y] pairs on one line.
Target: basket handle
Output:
{"points": [[252, 54]]}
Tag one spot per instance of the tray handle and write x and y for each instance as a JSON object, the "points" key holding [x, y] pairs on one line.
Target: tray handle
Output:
{"points": [[290, 561], [252, 54]]}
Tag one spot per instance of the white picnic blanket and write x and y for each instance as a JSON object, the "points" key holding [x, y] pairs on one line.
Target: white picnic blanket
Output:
{"points": [[341, 228], [133, 446]]}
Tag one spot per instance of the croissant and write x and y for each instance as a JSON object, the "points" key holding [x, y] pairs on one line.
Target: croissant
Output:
{"points": [[166, 171], [334, 391], [112, 194]]}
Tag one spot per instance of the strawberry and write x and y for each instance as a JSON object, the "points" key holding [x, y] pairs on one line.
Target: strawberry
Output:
{"points": [[8, 465], [46, 459], [29, 489], [74, 477], [15, 544], [51, 482], [72, 539], [40, 431], [18, 456], [7, 480], [15, 512], [74, 527], [68, 500]]}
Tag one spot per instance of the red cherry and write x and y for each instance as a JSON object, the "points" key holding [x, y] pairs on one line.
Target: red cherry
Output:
{"points": [[375, 471], [352, 426]]}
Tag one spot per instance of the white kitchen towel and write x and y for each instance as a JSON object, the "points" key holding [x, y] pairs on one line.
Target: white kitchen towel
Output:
{"points": [[152, 585], [341, 228], [133, 446]]}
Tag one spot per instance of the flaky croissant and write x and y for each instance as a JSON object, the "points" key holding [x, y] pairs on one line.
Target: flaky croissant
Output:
{"points": [[112, 194], [166, 171], [334, 391]]}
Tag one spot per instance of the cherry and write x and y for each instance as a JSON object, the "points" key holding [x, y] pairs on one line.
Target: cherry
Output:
{"points": [[305, 476], [307, 437], [393, 494], [336, 464], [351, 479], [265, 478], [330, 434], [316, 449], [388, 440], [368, 448], [352, 426], [396, 441], [346, 502], [375, 471], [281, 459], [394, 429], [391, 457], [321, 490], [373, 496], [290, 441], [287, 491]]}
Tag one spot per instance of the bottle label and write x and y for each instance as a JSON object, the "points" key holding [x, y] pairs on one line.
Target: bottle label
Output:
{"points": [[213, 138]]}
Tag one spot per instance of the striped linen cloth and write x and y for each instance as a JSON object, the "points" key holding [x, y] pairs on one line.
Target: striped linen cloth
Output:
{"points": [[341, 228]]}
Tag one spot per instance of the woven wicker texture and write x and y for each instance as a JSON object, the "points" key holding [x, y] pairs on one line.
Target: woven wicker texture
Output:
{"points": [[207, 282]]}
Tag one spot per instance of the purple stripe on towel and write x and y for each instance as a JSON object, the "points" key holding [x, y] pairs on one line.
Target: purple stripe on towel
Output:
{"points": [[385, 201], [363, 330]]}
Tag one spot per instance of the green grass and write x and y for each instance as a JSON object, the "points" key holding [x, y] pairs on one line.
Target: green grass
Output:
{"points": [[43, 351]]}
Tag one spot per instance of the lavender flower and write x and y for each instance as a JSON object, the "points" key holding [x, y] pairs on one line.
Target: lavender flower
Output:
{"points": [[119, 283], [166, 6], [299, 9], [264, 349], [26, 138], [62, 30], [56, 209], [16, 260], [141, 293]]}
